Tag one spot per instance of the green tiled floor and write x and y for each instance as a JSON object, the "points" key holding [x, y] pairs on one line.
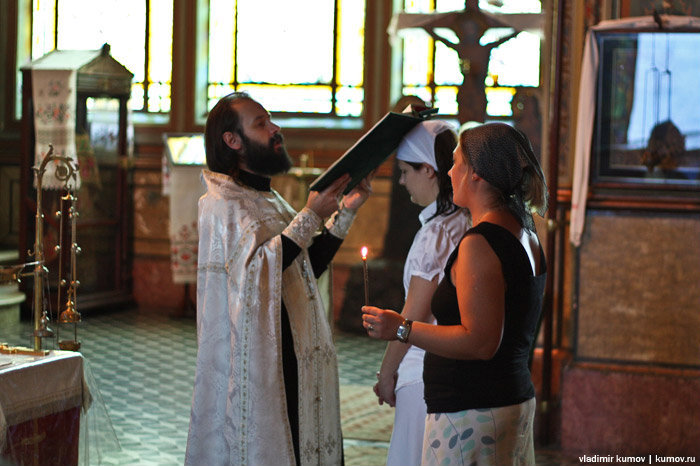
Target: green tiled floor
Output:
{"points": [[144, 365]]}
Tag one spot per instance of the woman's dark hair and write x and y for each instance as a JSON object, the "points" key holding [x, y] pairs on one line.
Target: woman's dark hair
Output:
{"points": [[223, 117], [445, 144]]}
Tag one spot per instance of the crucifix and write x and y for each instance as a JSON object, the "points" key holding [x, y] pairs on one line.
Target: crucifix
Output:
{"points": [[469, 25]]}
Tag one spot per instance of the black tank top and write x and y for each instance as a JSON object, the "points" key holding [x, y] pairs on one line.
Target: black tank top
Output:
{"points": [[453, 385]]}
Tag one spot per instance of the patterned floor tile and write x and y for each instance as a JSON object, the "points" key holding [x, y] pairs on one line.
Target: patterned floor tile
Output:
{"points": [[362, 417]]}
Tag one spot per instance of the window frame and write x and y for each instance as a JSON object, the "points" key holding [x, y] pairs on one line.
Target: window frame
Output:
{"points": [[143, 115], [294, 119], [324, 138]]}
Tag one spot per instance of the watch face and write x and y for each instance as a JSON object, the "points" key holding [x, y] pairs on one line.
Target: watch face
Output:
{"points": [[402, 332]]}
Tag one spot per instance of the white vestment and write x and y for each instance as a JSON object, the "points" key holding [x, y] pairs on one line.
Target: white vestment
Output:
{"points": [[239, 410]]}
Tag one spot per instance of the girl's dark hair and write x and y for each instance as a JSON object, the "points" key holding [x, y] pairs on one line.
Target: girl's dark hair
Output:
{"points": [[445, 144], [223, 117]]}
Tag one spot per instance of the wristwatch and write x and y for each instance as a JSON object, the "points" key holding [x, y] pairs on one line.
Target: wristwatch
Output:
{"points": [[404, 330]]}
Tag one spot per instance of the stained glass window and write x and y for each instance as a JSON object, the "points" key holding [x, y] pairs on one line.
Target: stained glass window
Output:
{"points": [[307, 58], [431, 69], [139, 32]]}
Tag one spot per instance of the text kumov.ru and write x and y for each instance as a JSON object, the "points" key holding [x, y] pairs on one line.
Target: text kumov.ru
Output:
{"points": [[650, 459]]}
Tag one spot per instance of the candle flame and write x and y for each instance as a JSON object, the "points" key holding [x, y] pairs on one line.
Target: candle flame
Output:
{"points": [[363, 251]]}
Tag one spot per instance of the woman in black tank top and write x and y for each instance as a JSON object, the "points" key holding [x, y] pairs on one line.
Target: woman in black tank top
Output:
{"points": [[478, 389]]}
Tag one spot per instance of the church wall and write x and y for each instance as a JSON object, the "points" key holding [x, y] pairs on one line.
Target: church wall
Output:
{"points": [[630, 299], [153, 286], [636, 329], [612, 409]]}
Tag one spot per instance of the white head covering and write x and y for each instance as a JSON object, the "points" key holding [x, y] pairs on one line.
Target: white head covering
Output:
{"points": [[418, 146]]}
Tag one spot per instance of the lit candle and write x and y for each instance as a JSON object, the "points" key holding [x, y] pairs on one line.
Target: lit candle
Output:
{"points": [[363, 251]]}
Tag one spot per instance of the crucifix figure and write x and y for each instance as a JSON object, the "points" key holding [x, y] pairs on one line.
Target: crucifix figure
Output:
{"points": [[469, 25]]}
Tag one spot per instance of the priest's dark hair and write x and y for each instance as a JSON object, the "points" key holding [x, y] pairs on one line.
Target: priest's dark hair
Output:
{"points": [[223, 117]]}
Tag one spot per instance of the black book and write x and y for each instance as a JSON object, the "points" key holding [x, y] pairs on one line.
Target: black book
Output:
{"points": [[372, 149]]}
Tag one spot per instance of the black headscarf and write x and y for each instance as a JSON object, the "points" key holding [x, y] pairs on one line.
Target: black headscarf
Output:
{"points": [[499, 154]]}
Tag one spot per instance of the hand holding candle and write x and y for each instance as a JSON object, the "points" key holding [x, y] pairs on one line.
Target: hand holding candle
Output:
{"points": [[363, 251]]}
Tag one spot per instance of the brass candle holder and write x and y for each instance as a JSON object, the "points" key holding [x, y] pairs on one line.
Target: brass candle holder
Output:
{"points": [[66, 171]]}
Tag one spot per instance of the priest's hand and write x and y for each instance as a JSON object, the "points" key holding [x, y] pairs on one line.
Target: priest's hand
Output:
{"points": [[325, 202], [359, 194]]}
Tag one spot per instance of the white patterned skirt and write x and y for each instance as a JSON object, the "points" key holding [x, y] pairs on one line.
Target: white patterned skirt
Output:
{"points": [[492, 436]]}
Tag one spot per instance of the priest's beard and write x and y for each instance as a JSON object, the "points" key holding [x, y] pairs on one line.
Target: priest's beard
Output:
{"points": [[266, 160]]}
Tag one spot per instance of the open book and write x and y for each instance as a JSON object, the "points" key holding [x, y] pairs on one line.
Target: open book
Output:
{"points": [[372, 149]]}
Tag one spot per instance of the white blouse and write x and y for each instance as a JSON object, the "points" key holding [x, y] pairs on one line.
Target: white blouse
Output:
{"points": [[431, 247]]}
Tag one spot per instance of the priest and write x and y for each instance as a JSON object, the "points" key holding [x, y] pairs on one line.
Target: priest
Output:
{"points": [[266, 381]]}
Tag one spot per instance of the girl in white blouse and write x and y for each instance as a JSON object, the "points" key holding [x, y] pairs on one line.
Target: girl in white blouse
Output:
{"points": [[424, 158]]}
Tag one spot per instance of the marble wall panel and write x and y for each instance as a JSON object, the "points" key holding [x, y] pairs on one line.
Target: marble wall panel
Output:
{"points": [[639, 288], [608, 410]]}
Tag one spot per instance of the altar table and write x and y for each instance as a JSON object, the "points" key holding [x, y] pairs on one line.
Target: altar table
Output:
{"points": [[40, 402]]}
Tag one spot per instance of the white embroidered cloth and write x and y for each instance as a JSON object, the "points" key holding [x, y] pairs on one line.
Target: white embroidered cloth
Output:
{"points": [[54, 99], [54, 81], [185, 190], [183, 160]]}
